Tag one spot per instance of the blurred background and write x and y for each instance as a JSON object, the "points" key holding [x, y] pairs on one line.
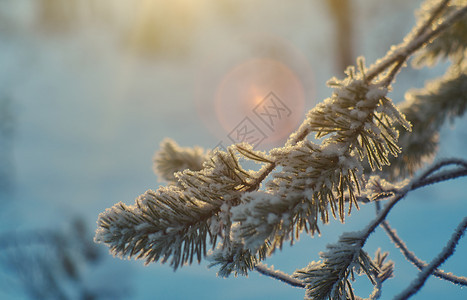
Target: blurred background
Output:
{"points": [[89, 88]]}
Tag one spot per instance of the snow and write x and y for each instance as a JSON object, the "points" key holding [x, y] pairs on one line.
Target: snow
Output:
{"points": [[375, 92]]}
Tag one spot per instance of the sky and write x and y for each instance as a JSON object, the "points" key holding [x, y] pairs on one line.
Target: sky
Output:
{"points": [[94, 88]]}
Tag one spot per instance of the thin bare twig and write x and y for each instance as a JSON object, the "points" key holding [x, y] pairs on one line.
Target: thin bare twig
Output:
{"points": [[279, 275], [413, 185], [424, 179], [444, 163], [409, 255], [420, 264], [448, 250]]}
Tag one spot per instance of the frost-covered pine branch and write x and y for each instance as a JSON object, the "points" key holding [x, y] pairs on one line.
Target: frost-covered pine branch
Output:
{"points": [[451, 43], [330, 279], [441, 99], [358, 122], [175, 222], [428, 110], [213, 206]]}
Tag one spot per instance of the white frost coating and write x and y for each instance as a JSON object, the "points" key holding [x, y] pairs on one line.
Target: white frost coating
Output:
{"points": [[270, 271], [172, 158], [374, 131], [377, 185], [224, 214], [375, 92], [308, 194], [390, 109], [333, 149], [337, 260], [154, 236], [168, 215], [214, 226], [225, 207], [359, 115], [142, 226], [272, 218]]}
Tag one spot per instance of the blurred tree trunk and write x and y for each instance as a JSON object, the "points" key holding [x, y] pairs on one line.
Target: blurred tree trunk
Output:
{"points": [[341, 11], [57, 15], [6, 137]]}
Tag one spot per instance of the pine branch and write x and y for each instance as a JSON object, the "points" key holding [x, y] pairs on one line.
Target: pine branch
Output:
{"points": [[450, 44], [426, 178], [414, 41], [386, 272], [235, 259], [434, 13], [357, 122], [448, 250], [417, 32], [160, 225], [441, 100], [410, 256], [444, 163], [379, 189], [322, 120], [413, 185], [175, 222], [330, 278], [396, 56]]}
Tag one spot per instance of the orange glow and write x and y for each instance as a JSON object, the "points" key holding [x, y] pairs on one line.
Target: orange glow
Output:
{"points": [[244, 89], [258, 80], [163, 26]]}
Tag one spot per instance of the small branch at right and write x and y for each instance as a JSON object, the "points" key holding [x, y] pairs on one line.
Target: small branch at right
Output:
{"points": [[420, 264], [448, 250]]}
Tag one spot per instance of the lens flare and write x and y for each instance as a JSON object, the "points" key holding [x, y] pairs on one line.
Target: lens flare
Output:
{"points": [[244, 91], [254, 89]]}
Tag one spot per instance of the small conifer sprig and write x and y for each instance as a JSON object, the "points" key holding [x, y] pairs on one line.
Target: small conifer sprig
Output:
{"points": [[236, 259], [172, 158], [331, 277]]}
